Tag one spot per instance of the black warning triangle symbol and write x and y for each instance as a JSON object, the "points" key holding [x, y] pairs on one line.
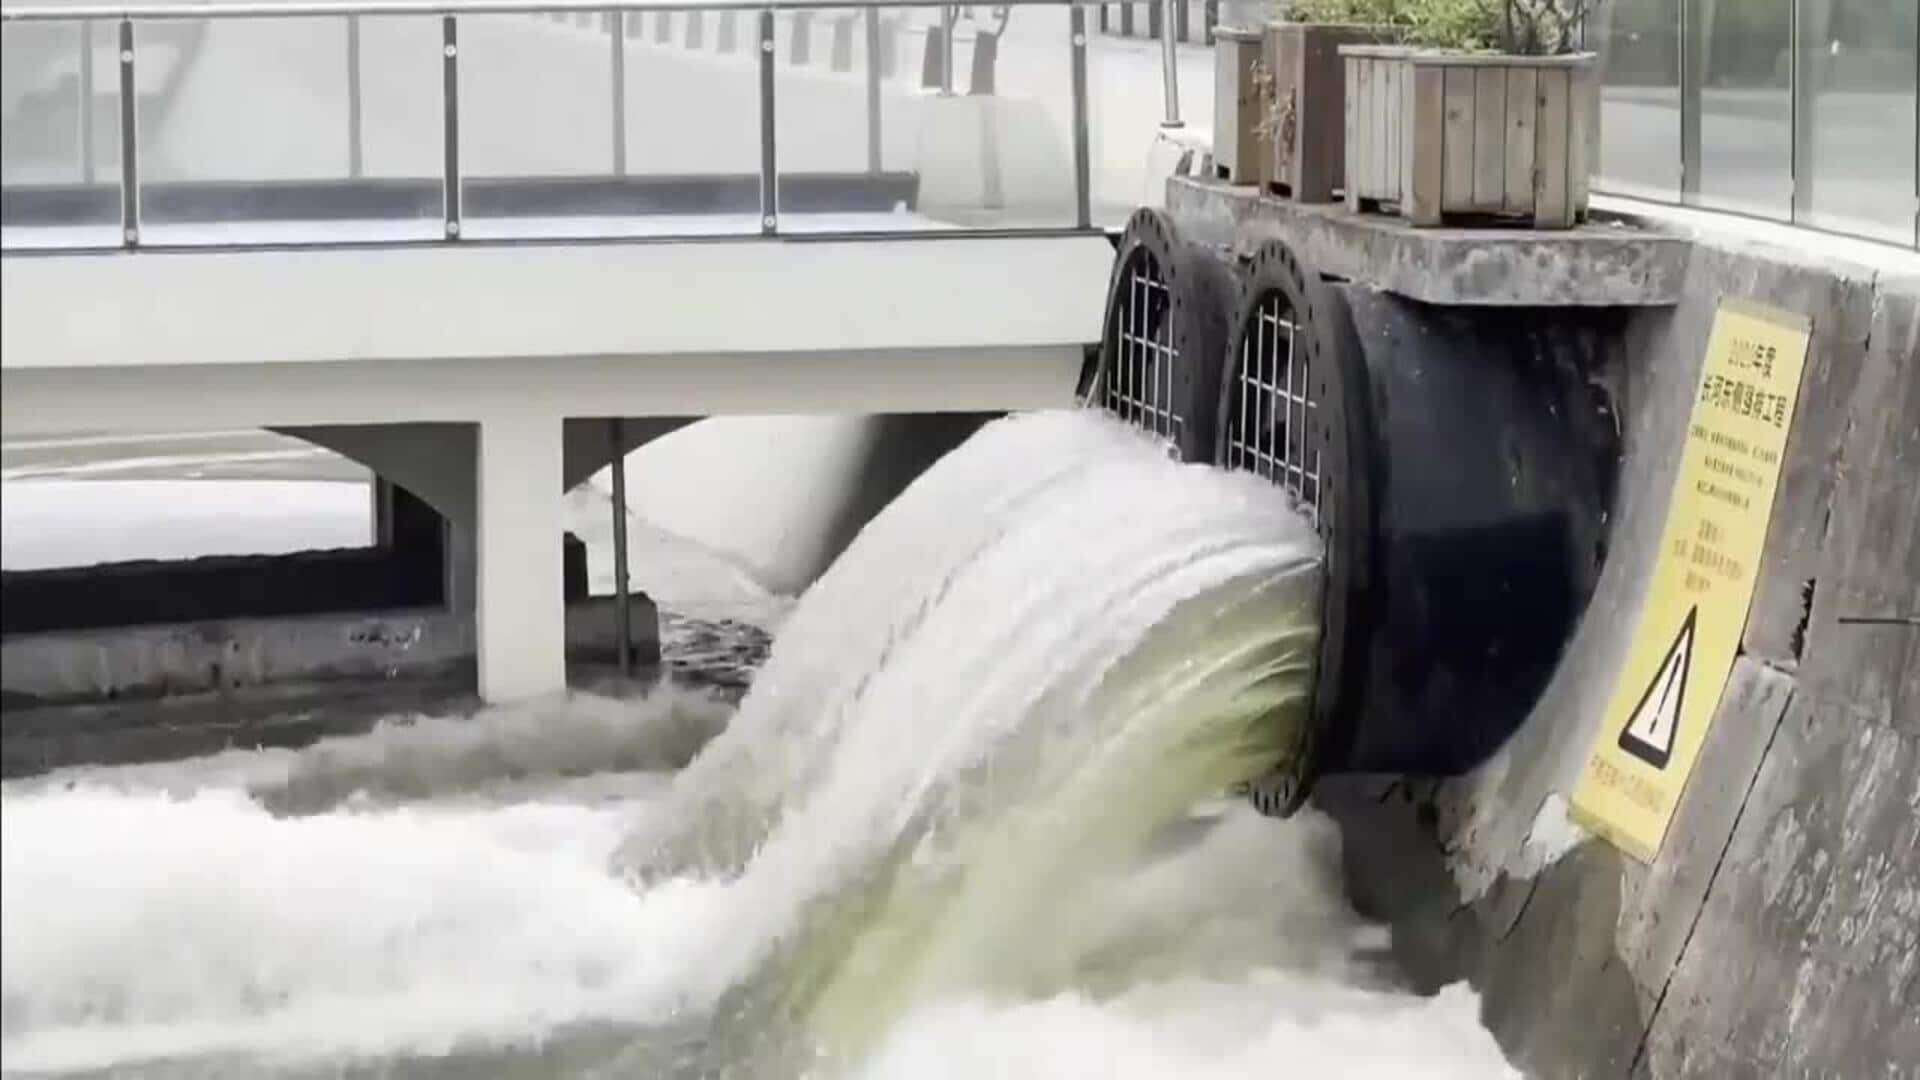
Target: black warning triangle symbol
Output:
{"points": [[1655, 720]]}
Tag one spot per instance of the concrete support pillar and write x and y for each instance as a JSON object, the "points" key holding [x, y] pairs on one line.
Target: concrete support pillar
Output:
{"points": [[520, 616], [461, 567], [382, 494]]}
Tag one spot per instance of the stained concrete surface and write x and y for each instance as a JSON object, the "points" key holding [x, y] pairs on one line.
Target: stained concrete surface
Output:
{"points": [[1601, 264], [1778, 931]]}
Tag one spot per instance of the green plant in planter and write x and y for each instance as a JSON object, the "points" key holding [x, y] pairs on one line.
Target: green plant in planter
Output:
{"points": [[1539, 27], [1515, 27], [1441, 24]]}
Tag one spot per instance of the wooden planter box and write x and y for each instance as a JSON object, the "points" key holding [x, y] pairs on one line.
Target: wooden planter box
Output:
{"points": [[1240, 151], [1438, 136], [1308, 129]]}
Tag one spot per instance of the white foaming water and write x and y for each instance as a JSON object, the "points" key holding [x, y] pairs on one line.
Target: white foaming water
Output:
{"points": [[959, 827]]}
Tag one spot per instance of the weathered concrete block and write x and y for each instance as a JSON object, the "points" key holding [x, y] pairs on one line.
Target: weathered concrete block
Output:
{"points": [[1778, 932], [1806, 959], [1869, 577], [1657, 916], [1589, 266], [1840, 303]]}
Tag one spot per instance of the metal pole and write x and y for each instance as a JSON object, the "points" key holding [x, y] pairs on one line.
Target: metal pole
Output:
{"points": [[623, 614], [949, 19], [1692, 54], [355, 163], [769, 171], [1082, 163], [1169, 67], [873, 90], [129, 142], [450, 94], [1809, 27], [86, 102], [617, 34]]}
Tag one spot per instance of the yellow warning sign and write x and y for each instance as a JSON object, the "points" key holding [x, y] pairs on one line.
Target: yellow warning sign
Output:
{"points": [[1696, 604]]}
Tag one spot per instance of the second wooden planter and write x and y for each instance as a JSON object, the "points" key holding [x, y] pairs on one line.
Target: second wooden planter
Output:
{"points": [[1439, 136], [1308, 120], [1240, 151]]}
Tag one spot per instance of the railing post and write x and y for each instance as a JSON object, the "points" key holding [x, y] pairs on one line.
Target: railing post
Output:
{"points": [[355, 163], [873, 89], [769, 171], [129, 142], [949, 21], [616, 33], [450, 94], [86, 101], [1691, 53], [1807, 70], [1169, 65], [1082, 164]]}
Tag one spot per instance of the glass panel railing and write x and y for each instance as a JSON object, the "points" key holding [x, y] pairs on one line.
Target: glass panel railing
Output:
{"points": [[1640, 148], [691, 118], [537, 134], [310, 129], [850, 128], [59, 134], [326, 123], [1127, 105], [876, 132], [1798, 110], [1745, 57], [1856, 98]]}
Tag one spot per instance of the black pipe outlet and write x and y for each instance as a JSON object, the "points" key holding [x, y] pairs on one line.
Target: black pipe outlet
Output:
{"points": [[1165, 330], [1459, 463]]}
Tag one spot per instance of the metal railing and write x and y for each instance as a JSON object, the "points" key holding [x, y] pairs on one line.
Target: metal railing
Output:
{"points": [[134, 190]]}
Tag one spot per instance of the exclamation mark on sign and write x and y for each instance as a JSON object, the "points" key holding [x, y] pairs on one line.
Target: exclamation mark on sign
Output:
{"points": [[1656, 719]]}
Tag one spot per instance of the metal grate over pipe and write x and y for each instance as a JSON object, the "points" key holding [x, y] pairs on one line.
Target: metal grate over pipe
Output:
{"points": [[1272, 414], [1139, 382]]}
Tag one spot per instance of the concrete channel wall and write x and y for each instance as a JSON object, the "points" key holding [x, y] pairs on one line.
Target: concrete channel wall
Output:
{"points": [[1777, 933]]}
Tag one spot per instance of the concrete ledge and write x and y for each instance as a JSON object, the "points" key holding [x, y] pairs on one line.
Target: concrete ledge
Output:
{"points": [[1594, 265], [187, 658]]}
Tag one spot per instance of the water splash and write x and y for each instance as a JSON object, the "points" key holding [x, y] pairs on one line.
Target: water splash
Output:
{"points": [[960, 822]]}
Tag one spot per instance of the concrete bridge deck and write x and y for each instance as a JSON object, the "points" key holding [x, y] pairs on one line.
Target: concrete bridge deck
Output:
{"points": [[455, 244]]}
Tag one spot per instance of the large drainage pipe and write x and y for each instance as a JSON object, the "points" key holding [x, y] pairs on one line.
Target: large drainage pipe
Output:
{"points": [[1458, 463]]}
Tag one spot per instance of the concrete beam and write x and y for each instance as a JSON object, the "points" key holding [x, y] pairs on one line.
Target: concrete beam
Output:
{"points": [[473, 302], [841, 382]]}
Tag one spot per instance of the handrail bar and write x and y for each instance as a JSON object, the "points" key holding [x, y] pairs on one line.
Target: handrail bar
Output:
{"points": [[321, 8]]}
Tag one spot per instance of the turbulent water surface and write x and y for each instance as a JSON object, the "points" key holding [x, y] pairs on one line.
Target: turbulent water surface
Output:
{"points": [[966, 823]]}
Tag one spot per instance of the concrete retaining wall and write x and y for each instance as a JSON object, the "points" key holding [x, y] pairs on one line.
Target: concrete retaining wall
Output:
{"points": [[1778, 932]]}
